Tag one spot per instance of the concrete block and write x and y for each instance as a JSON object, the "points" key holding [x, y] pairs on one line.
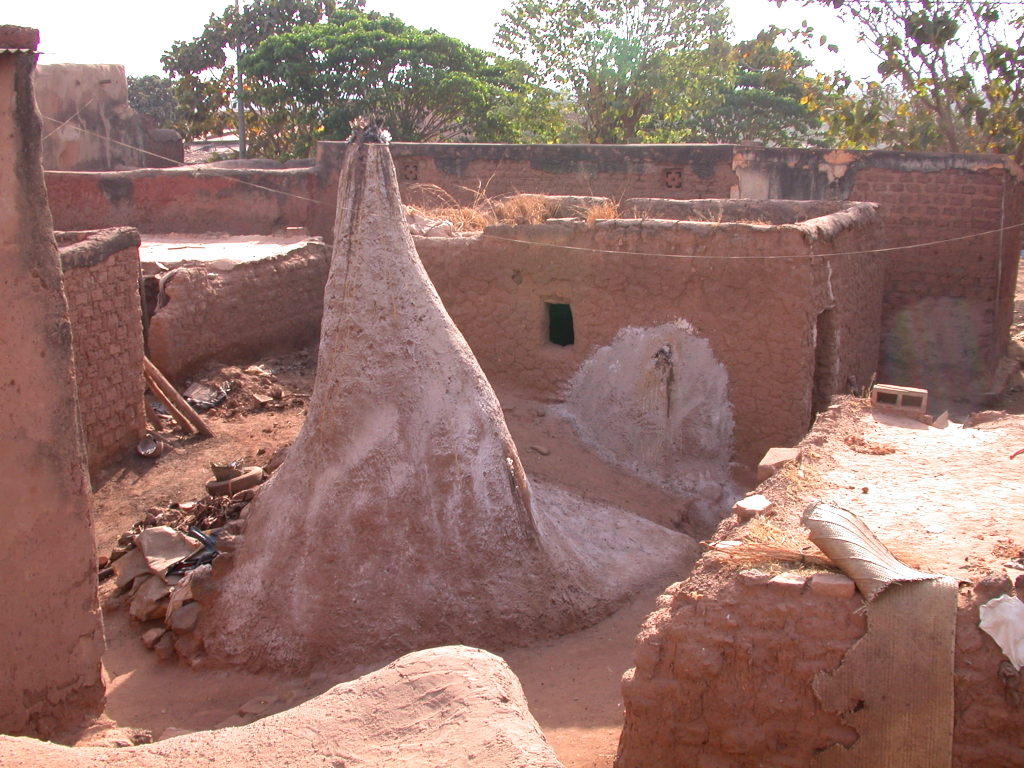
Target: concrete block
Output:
{"points": [[910, 400], [832, 585], [774, 460]]}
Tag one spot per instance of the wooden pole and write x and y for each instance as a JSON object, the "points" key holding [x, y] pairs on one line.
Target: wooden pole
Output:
{"points": [[168, 393]]}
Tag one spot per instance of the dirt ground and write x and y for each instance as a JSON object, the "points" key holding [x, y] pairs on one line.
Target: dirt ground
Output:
{"points": [[940, 495], [572, 683]]}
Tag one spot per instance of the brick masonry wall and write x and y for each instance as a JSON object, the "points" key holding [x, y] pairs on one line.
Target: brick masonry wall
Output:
{"points": [[725, 664], [254, 309], [946, 304], [101, 280], [947, 307], [758, 314]]}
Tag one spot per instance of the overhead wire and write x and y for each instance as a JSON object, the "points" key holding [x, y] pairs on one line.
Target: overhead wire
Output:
{"points": [[228, 174]]}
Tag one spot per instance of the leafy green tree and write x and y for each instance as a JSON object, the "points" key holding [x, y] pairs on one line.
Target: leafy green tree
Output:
{"points": [[959, 61], [767, 97], [313, 80], [153, 96], [624, 63], [206, 79]]}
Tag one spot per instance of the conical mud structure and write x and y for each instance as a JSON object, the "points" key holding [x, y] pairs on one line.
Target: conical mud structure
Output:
{"points": [[402, 518]]}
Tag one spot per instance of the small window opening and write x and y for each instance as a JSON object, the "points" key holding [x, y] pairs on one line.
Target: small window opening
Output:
{"points": [[560, 330]]}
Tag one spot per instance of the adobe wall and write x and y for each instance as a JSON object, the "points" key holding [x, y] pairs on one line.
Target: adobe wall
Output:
{"points": [[758, 314], [724, 666], [191, 199], [253, 309], [967, 283], [101, 281], [51, 631]]}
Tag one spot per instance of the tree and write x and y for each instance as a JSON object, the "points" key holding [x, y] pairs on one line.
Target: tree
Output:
{"points": [[310, 82], [153, 96], [767, 97], [623, 62], [961, 61], [205, 83]]}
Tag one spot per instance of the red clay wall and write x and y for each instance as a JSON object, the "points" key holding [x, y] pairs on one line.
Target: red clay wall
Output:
{"points": [[967, 284], [101, 280], [51, 631], [241, 202], [254, 309], [724, 669], [757, 313]]}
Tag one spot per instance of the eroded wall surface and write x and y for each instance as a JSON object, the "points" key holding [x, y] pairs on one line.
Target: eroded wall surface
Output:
{"points": [[948, 300], [51, 633], [757, 312], [101, 280], [253, 309]]}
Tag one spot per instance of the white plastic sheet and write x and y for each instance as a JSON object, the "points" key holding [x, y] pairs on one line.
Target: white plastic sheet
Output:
{"points": [[1003, 619]]}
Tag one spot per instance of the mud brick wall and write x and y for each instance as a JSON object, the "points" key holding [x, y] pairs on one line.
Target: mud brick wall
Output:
{"points": [[51, 629], [723, 675], [101, 280], [758, 314], [947, 306], [967, 284], [235, 315], [238, 202], [724, 669]]}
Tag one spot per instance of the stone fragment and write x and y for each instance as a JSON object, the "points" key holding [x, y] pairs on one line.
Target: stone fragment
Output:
{"points": [[184, 618], [188, 647], [941, 421], [127, 567], [164, 647], [163, 546], [181, 593], [257, 706], [832, 585], [750, 506], [542, 450], [788, 582], [150, 600], [151, 636], [754, 577], [774, 460]]}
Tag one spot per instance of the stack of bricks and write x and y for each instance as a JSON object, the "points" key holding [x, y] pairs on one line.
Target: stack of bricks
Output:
{"points": [[101, 280]]}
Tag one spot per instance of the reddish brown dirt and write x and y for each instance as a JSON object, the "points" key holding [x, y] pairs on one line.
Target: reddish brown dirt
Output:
{"points": [[572, 683]]}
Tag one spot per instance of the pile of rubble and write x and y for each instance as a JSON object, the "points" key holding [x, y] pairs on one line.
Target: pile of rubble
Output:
{"points": [[154, 563]]}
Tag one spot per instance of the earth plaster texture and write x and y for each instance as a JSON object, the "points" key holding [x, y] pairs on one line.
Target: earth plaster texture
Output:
{"points": [[51, 633], [401, 517], [655, 402], [753, 291], [445, 706]]}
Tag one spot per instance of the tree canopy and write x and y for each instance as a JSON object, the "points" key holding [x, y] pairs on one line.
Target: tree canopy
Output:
{"points": [[427, 86], [959, 63], [624, 63]]}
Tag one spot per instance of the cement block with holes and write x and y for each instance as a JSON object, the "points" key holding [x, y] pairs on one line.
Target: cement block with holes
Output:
{"points": [[774, 460], [909, 400]]}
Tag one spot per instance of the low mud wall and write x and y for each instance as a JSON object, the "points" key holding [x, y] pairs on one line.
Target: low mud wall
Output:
{"points": [[948, 299], [234, 315], [101, 280], [725, 665], [192, 199], [759, 313]]}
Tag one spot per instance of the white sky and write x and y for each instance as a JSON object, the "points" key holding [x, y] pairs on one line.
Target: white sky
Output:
{"points": [[135, 33]]}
